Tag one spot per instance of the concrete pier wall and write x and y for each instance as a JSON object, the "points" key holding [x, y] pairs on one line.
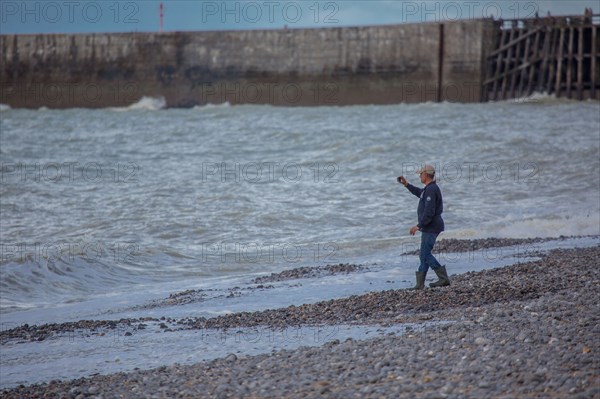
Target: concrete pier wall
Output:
{"points": [[333, 66]]}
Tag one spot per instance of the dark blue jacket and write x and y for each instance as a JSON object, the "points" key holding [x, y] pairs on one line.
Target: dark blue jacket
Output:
{"points": [[430, 207]]}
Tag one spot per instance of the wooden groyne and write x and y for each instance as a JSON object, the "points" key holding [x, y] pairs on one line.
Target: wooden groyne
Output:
{"points": [[553, 55]]}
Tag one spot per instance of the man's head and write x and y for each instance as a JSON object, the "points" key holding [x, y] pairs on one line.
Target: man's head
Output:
{"points": [[426, 174]]}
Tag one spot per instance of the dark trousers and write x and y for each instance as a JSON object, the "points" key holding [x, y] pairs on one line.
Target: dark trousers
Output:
{"points": [[425, 256]]}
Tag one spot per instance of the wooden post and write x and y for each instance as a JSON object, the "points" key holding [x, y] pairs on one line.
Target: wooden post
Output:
{"points": [[507, 65], [580, 65], [488, 83], [561, 45], [593, 63], [515, 65], [524, 70], [498, 67], [569, 63], [553, 60], [546, 55], [532, 69]]}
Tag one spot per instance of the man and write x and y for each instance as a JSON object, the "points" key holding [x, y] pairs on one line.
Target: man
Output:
{"points": [[430, 224]]}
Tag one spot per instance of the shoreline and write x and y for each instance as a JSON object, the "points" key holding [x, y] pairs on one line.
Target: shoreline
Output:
{"points": [[459, 245], [273, 318], [552, 352]]}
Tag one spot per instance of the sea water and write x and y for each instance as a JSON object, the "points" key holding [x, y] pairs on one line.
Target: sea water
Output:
{"points": [[100, 202], [105, 213]]}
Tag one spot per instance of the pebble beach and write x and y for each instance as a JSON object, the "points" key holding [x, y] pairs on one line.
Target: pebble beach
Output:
{"points": [[529, 330]]}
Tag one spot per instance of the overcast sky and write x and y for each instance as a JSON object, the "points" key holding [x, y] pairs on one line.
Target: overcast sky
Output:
{"points": [[75, 16]]}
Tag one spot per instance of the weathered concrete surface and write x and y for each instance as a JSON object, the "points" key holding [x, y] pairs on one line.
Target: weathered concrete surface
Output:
{"points": [[335, 66]]}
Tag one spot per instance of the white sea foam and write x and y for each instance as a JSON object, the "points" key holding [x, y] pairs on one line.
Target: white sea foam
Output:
{"points": [[560, 225], [149, 103], [145, 103], [4, 107], [567, 225], [226, 104], [540, 98], [35, 283]]}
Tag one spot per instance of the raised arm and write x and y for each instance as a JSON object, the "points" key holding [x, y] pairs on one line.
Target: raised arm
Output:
{"points": [[415, 190]]}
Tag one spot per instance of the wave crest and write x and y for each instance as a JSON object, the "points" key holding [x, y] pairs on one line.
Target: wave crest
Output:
{"points": [[145, 104]]}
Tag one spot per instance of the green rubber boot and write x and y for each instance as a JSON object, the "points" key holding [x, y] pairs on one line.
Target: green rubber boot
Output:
{"points": [[444, 280], [420, 281]]}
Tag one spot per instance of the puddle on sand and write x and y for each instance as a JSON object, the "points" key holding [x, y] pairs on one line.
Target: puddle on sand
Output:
{"points": [[80, 353]]}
